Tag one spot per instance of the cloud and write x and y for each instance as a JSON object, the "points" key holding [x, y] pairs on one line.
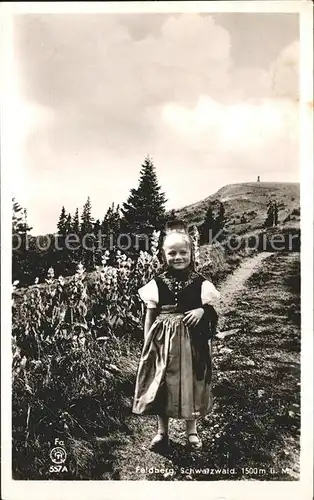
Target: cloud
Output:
{"points": [[239, 127], [100, 92], [258, 129], [104, 84], [23, 122], [284, 72]]}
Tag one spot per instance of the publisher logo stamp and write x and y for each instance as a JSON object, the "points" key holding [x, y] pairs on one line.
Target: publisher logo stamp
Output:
{"points": [[58, 456]]}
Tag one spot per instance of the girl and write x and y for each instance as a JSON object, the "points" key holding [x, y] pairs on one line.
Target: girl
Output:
{"points": [[175, 371]]}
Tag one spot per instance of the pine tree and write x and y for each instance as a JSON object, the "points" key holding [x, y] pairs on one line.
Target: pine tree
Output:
{"points": [[87, 251], [19, 220], [207, 226], [26, 226], [16, 217], [269, 221], [20, 253], [145, 207], [220, 221], [68, 224], [275, 213], [105, 222], [99, 241], [112, 225], [97, 227], [62, 222], [74, 256], [76, 222], [87, 220], [115, 223], [97, 230]]}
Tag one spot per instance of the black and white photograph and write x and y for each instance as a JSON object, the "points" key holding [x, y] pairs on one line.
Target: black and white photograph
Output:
{"points": [[156, 186]]}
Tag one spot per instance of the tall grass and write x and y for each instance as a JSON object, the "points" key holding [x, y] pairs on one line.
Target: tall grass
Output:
{"points": [[72, 371], [75, 345]]}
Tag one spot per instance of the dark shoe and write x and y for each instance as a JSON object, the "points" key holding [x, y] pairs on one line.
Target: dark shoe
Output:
{"points": [[195, 444], [161, 440]]}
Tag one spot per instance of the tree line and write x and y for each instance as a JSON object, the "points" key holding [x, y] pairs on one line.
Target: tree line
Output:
{"points": [[143, 212], [272, 214], [213, 225]]}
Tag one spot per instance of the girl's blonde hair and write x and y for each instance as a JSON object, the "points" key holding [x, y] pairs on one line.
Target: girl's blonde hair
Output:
{"points": [[177, 229], [179, 235]]}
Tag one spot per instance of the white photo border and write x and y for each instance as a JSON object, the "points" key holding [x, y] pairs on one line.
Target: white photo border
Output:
{"points": [[218, 490]]}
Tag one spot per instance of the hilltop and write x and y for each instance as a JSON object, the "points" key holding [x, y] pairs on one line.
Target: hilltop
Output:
{"points": [[246, 205]]}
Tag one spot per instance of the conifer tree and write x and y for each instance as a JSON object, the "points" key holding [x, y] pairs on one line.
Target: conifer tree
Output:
{"points": [[112, 224], [87, 251], [221, 215], [76, 222], [74, 255], [87, 220], [97, 226], [97, 231], [20, 253], [269, 221], [115, 219], [99, 241], [145, 207], [220, 220], [19, 219], [108, 220], [62, 222], [68, 224], [207, 226], [16, 217], [276, 213], [105, 222]]}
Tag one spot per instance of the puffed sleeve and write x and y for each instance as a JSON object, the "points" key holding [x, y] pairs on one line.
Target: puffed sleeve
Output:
{"points": [[149, 294], [209, 293]]}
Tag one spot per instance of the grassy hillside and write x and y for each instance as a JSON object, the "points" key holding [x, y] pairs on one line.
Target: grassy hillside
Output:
{"points": [[76, 343], [246, 205], [254, 427]]}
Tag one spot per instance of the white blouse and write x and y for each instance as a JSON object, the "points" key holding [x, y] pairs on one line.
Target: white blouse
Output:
{"points": [[149, 293]]}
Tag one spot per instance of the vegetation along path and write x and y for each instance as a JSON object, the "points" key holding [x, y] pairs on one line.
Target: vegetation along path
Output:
{"points": [[253, 430]]}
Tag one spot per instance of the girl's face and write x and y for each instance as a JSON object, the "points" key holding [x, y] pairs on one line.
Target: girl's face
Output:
{"points": [[177, 254]]}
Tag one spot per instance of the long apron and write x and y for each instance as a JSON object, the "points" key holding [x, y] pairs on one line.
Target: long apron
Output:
{"points": [[166, 382]]}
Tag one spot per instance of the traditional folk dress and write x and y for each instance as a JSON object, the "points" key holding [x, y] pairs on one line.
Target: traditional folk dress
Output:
{"points": [[174, 377]]}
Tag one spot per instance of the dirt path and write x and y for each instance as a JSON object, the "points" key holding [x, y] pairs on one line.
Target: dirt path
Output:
{"points": [[235, 282], [133, 459]]}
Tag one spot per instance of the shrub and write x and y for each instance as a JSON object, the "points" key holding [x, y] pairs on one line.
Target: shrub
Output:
{"points": [[296, 211], [71, 369]]}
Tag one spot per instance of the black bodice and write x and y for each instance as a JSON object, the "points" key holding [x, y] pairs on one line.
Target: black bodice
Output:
{"points": [[184, 293], [183, 290]]}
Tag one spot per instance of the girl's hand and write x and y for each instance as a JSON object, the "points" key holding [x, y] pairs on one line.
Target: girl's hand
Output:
{"points": [[191, 318]]}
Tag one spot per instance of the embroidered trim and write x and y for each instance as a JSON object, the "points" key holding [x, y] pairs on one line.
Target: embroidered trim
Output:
{"points": [[176, 285]]}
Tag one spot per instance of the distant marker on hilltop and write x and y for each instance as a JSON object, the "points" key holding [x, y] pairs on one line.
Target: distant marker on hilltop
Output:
{"points": [[258, 179]]}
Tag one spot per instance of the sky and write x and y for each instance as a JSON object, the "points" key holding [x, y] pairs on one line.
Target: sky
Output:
{"points": [[212, 98]]}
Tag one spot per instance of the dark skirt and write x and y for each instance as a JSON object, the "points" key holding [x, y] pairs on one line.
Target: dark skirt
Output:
{"points": [[172, 379]]}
